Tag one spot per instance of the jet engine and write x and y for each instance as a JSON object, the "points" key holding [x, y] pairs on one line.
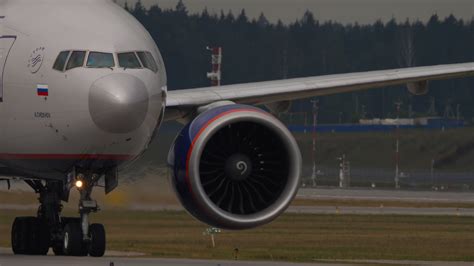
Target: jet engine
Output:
{"points": [[418, 88], [235, 167]]}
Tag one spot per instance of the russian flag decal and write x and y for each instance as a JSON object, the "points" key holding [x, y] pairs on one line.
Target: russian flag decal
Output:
{"points": [[42, 90]]}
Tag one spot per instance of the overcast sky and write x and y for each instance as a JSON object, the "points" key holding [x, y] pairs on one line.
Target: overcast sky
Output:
{"points": [[345, 11]]}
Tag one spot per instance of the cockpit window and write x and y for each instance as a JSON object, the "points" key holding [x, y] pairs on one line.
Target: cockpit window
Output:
{"points": [[100, 60], [76, 59], [67, 60], [128, 60], [61, 61], [148, 61]]}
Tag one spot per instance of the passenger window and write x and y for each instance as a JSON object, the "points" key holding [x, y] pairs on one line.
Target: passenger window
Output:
{"points": [[76, 60], [100, 60], [61, 61], [128, 60], [148, 61]]}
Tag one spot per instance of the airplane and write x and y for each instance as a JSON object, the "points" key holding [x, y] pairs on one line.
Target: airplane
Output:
{"points": [[83, 92]]}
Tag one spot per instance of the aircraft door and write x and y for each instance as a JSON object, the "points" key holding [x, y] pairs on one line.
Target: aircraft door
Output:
{"points": [[6, 43]]}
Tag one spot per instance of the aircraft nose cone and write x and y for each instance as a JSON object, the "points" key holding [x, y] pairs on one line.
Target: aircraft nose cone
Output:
{"points": [[118, 103]]}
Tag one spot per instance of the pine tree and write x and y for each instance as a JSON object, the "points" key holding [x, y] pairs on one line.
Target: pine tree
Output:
{"points": [[262, 21], [242, 18], [181, 8], [260, 50]]}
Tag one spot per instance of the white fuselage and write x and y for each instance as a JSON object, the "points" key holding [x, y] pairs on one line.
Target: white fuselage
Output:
{"points": [[45, 136]]}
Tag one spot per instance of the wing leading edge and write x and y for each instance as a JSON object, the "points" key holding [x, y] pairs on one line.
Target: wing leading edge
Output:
{"points": [[182, 101]]}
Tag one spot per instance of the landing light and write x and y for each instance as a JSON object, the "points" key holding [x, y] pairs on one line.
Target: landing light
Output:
{"points": [[79, 184]]}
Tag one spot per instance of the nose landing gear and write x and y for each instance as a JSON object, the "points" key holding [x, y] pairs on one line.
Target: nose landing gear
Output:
{"points": [[74, 244], [66, 235], [80, 238]]}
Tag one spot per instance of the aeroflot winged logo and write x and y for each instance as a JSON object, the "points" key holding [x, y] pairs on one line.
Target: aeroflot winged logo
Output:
{"points": [[36, 59]]}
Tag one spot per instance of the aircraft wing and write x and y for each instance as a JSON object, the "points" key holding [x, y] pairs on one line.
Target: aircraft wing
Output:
{"points": [[181, 102]]}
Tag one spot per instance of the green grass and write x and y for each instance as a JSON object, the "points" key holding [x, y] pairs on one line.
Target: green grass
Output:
{"points": [[292, 237]]}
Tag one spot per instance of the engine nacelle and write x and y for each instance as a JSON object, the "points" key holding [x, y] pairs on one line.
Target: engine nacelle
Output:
{"points": [[235, 167], [418, 88]]}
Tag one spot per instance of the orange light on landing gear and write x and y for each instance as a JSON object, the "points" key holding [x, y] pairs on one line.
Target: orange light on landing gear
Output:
{"points": [[79, 184]]}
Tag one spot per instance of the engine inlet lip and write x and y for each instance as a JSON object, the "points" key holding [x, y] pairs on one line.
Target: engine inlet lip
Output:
{"points": [[288, 193]]}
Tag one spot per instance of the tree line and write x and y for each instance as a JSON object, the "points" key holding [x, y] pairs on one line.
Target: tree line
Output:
{"points": [[257, 50]]}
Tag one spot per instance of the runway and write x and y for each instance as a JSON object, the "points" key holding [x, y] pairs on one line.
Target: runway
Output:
{"points": [[119, 259], [10, 260], [380, 194], [380, 210], [108, 261], [365, 194], [340, 194]]}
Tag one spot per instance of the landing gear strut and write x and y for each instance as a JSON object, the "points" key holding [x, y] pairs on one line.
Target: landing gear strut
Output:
{"points": [[65, 235], [79, 237]]}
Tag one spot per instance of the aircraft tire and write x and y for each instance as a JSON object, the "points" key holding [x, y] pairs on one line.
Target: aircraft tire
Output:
{"points": [[39, 236], [44, 241], [58, 250], [72, 240], [19, 237], [98, 240], [30, 236]]}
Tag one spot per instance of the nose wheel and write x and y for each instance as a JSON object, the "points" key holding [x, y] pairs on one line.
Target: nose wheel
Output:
{"points": [[72, 240], [74, 245], [97, 242]]}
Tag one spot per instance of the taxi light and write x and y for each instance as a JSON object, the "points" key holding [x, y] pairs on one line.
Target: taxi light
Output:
{"points": [[79, 184]]}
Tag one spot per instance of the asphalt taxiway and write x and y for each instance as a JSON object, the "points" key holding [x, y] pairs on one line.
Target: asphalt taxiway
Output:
{"points": [[381, 210], [341, 194], [386, 194], [7, 259], [11, 260], [375, 195], [109, 261]]}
